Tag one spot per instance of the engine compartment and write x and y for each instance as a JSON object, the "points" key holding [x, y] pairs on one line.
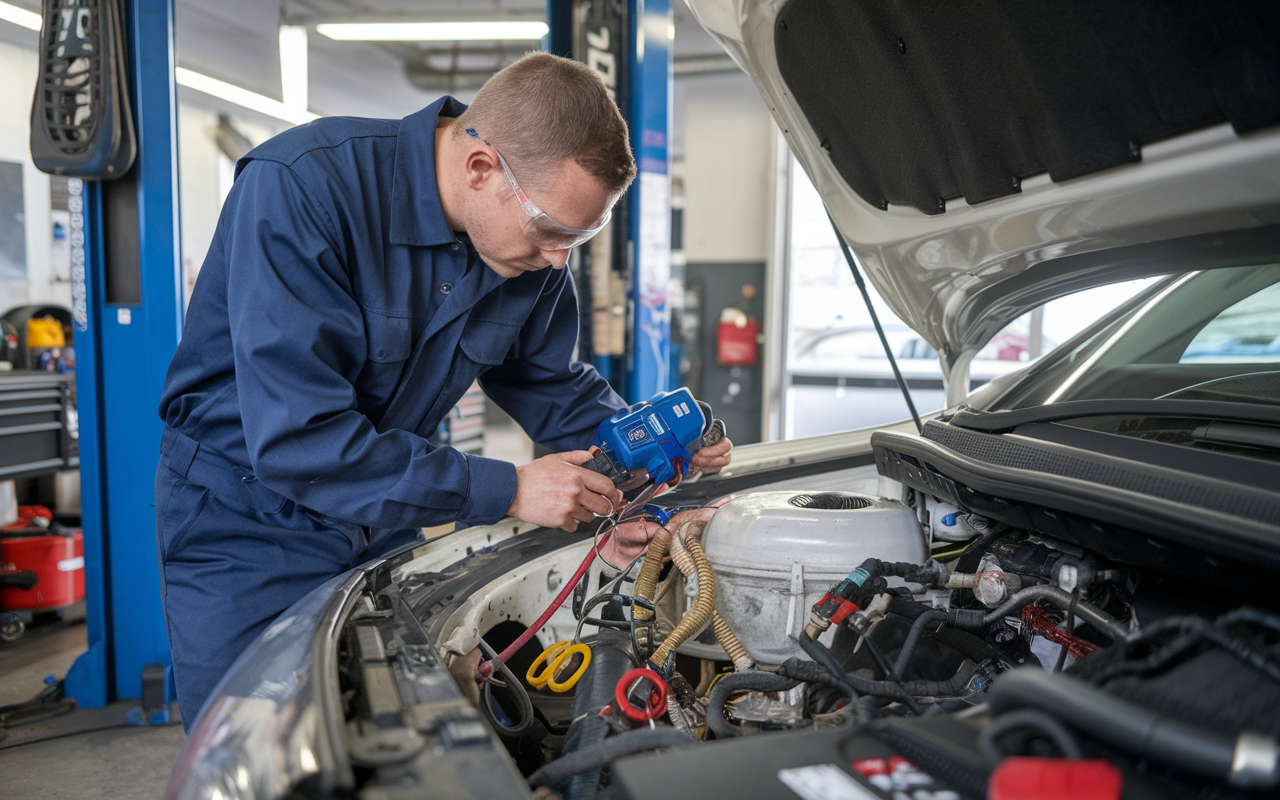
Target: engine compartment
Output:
{"points": [[853, 633]]}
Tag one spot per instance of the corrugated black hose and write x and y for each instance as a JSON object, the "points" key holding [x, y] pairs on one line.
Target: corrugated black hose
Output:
{"points": [[610, 660], [820, 654], [965, 619], [810, 672], [751, 680]]}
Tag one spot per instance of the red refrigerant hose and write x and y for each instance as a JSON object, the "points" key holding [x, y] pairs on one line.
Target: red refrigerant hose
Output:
{"points": [[486, 669]]}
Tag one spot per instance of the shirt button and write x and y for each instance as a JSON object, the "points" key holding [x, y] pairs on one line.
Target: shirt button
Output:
{"points": [[454, 246], [445, 288]]}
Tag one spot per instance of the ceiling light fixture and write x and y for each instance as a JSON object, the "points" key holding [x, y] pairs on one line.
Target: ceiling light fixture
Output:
{"points": [[433, 31], [293, 66], [20, 16], [242, 97]]}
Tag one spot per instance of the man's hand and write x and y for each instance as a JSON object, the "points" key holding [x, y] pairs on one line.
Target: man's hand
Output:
{"points": [[557, 493], [628, 541], [711, 458]]}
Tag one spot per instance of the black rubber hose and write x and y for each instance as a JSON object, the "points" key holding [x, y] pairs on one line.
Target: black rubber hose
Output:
{"points": [[888, 673], [1126, 726], [970, 645], [1053, 730], [810, 672], [602, 754], [610, 660], [821, 655], [923, 575], [913, 639], [1090, 613], [754, 680], [515, 689]]}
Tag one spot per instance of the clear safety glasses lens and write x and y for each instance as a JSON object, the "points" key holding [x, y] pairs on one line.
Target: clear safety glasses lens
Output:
{"points": [[541, 229]]}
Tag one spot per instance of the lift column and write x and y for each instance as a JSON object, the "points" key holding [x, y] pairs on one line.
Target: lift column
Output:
{"points": [[127, 302], [628, 275]]}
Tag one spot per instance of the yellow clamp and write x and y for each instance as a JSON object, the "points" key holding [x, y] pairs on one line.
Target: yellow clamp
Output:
{"points": [[559, 654]]}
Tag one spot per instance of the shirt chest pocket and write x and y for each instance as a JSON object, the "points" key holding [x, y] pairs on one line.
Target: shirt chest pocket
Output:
{"points": [[488, 342], [389, 340]]}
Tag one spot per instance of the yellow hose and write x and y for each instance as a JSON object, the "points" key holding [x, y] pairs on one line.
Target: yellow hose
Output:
{"points": [[650, 568], [692, 531], [729, 641], [702, 609], [679, 553]]}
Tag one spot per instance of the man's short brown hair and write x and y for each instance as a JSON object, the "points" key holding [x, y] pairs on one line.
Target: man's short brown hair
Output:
{"points": [[544, 109]]}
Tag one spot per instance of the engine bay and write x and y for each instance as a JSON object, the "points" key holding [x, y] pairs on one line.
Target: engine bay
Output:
{"points": [[785, 642]]}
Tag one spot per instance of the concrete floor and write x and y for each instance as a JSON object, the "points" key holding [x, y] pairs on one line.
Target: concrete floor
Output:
{"points": [[82, 754]]}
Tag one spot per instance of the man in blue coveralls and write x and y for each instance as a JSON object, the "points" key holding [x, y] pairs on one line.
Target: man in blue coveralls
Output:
{"points": [[364, 272]]}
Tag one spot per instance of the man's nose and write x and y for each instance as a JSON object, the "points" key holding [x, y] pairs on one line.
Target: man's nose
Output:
{"points": [[557, 258]]}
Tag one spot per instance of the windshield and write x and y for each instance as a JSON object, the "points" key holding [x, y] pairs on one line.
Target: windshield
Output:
{"points": [[1212, 335]]}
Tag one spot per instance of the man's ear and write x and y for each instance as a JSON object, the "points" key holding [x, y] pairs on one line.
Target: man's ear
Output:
{"points": [[479, 166]]}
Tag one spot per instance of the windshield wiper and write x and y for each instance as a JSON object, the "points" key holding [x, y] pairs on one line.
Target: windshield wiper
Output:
{"points": [[1005, 421]]}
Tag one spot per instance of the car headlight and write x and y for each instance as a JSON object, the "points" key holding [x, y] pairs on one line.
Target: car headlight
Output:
{"points": [[263, 730]]}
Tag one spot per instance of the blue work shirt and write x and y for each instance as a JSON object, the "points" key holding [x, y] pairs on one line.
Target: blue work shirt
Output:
{"points": [[337, 319]]}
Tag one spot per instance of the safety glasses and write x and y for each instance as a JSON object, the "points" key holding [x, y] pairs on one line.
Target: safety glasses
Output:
{"points": [[541, 229]]}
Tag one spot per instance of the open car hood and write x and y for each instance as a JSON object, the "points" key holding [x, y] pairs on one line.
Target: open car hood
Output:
{"points": [[982, 159]]}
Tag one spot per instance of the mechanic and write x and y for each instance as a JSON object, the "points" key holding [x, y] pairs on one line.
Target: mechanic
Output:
{"points": [[363, 274]]}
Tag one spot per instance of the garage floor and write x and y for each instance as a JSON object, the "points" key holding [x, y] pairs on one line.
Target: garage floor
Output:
{"points": [[82, 754]]}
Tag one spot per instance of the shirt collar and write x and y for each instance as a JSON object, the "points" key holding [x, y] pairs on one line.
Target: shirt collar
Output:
{"points": [[417, 217]]}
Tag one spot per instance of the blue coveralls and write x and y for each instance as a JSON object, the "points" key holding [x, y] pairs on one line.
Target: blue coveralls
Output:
{"points": [[336, 320]]}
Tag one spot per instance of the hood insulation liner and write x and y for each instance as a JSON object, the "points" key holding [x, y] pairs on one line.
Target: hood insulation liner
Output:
{"points": [[918, 101]]}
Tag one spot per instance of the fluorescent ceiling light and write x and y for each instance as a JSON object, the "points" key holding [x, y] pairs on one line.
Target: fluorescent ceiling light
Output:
{"points": [[433, 31], [20, 16], [242, 97], [293, 66]]}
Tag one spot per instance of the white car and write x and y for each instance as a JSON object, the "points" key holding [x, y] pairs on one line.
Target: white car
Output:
{"points": [[1062, 585]]}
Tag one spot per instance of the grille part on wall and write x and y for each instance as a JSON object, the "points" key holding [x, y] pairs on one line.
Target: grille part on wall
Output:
{"points": [[81, 122]]}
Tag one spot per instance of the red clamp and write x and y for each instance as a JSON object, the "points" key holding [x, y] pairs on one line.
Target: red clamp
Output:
{"points": [[655, 702], [836, 609]]}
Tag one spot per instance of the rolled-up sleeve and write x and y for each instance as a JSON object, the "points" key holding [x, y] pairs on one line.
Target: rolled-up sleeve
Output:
{"points": [[558, 401], [299, 344]]}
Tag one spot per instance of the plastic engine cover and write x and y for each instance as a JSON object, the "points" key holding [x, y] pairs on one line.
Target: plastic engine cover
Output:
{"points": [[774, 559]]}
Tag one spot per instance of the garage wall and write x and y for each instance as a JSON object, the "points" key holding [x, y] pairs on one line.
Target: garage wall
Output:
{"points": [[206, 176], [727, 141], [726, 157], [199, 186], [18, 66]]}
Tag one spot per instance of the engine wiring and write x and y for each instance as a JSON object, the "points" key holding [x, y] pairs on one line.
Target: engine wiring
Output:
{"points": [[893, 638]]}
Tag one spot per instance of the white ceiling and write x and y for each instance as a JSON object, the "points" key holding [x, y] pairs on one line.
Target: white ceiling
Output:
{"points": [[236, 41]]}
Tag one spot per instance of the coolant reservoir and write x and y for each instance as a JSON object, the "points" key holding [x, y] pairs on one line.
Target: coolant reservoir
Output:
{"points": [[776, 553]]}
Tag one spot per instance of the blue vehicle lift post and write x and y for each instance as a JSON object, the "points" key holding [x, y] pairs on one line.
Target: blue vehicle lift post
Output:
{"points": [[128, 302], [649, 231], [642, 61]]}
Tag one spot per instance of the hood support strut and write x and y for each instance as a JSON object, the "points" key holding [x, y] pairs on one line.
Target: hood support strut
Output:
{"points": [[866, 298], [955, 375]]}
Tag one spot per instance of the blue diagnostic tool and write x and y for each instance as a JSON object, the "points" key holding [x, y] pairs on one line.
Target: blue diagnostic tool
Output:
{"points": [[652, 441]]}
